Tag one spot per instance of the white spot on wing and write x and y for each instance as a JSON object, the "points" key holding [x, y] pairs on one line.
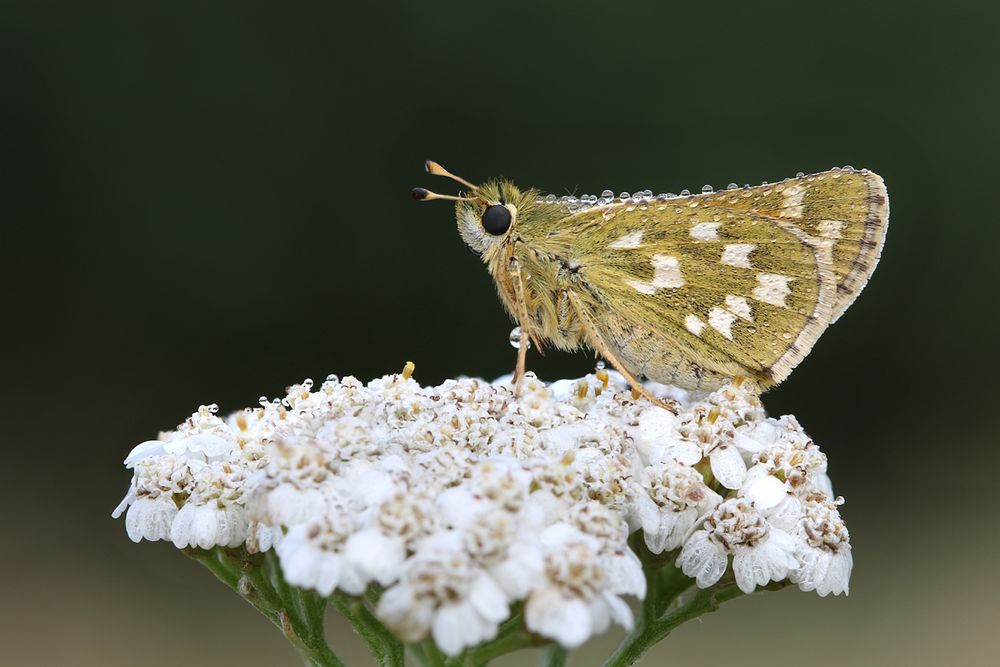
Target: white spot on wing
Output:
{"points": [[694, 325], [737, 254], [792, 205], [644, 288], [668, 272], [772, 288], [629, 241], [831, 229], [739, 306], [667, 275], [722, 320], [706, 231]]}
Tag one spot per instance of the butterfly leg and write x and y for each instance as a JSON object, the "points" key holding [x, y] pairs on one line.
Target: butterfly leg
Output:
{"points": [[637, 386], [522, 316], [598, 344]]}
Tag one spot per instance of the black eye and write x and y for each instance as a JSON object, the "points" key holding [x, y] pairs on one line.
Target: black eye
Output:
{"points": [[496, 219]]}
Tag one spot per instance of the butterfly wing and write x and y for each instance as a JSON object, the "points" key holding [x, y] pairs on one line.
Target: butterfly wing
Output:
{"points": [[692, 290]]}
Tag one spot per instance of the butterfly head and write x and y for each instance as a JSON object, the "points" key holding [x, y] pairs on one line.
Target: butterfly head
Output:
{"points": [[487, 213]]}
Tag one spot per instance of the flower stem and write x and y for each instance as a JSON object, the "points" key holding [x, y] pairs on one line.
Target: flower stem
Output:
{"points": [[554, 656], [258, 580], [388, 650], [672, 598]]}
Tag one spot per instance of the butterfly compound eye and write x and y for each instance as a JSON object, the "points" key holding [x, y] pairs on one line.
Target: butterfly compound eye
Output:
{"points": [[496, 219]]}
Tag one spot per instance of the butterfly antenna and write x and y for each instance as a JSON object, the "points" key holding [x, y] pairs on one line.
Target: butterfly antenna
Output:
{"points": [[422, 194], [435, 169]]}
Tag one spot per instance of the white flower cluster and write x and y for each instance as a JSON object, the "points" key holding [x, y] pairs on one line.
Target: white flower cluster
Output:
{"points": [[464, 498]]}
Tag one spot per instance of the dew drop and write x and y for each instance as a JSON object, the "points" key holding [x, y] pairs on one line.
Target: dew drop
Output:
{"points": [[685, 192], [550, 199], [262, 401], [515, 338], [624, 196], [213, 408], [608, 194], [707, 188], [732, 186], [307, 383], [800, 174], [332, 377], [786, 336], [600, 364]]}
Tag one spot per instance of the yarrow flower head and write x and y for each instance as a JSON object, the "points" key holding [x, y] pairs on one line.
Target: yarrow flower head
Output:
{"points": [[448, 509]]}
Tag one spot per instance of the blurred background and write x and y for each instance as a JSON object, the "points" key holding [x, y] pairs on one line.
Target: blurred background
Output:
{"points": [[205, 202]]}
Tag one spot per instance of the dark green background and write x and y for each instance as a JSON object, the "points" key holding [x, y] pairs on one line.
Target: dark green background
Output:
{"points": [[206, 203]]}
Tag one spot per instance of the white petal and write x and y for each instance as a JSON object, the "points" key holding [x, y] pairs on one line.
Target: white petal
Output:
{"points": [[838, 576], [548, 613], [728, 466], [408, 618], [647, 511], [379, 557], [770, 560], [656, 429], [143, 451], [487, 599], [129, 498], [521, 572], [620, 611], [624, 574], [765, 433], [786, 515], [150, 519], [600, 615], [456, 626], [763, 490], [702, 559], [743, 440]]}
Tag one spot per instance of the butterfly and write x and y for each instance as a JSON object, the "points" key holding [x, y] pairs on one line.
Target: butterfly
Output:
{"points": [[692, 289]]}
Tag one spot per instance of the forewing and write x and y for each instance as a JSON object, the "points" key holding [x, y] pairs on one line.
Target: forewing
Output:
{"points": [[738, 281]]}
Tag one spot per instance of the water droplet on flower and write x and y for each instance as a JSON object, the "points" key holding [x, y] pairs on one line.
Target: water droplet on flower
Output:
{"points": [[262, 401], [307, 384], [515, 338], [600, 364], [213, 408], [332, 377]]}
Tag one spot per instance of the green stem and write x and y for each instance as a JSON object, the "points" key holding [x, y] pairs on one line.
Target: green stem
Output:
{"points": [[387, 649], [298, 616], [554, 656], [432, 654], [671, 599]]}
